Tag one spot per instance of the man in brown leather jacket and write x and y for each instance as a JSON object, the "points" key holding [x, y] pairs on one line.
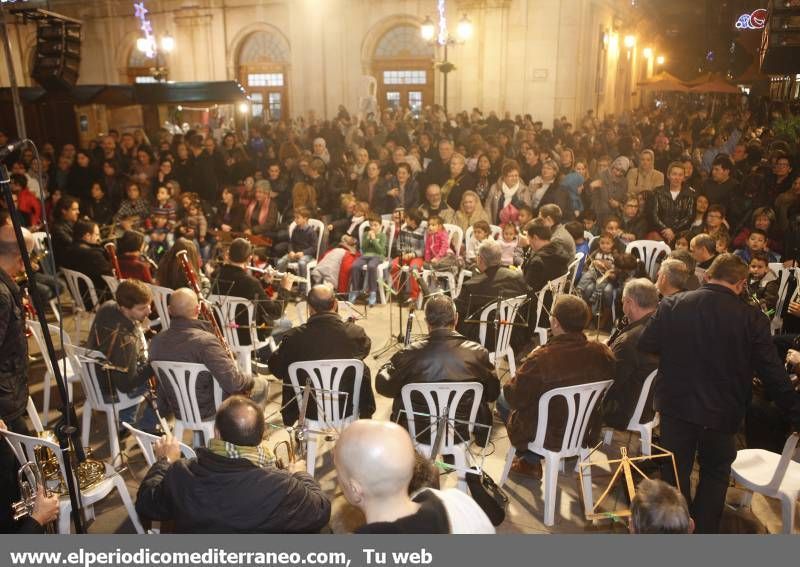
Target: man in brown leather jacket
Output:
{"points": [[568, 359]]}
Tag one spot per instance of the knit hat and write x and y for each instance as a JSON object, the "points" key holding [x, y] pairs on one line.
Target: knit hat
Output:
{"points": [[622, 163]]}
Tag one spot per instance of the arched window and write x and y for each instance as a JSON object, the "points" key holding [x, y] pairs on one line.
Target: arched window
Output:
{"points": [[403, 66], [142, 69], [262, 69]]}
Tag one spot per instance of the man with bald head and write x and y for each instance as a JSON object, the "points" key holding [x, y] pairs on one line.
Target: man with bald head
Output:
{"points": [[13, 362], [232, 486], [325, 336], [189, 339], [375, 462]]}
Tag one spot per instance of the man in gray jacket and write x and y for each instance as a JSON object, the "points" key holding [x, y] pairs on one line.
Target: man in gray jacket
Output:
{"points": [[190, 340]]}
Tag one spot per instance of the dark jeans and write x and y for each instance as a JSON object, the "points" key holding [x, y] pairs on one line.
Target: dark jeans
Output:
{"points": [[504, 411], [715, 452]]}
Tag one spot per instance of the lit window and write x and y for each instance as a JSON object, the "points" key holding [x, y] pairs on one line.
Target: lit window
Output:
{"points": [[257, 103], [393, 98], [265, 79], [405, 77], [415, 101], [275, 106], [146, 79]]}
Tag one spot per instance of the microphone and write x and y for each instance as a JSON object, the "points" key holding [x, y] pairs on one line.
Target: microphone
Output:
{"points": [[11, 148]]}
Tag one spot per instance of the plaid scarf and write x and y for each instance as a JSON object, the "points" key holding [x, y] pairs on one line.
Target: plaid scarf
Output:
{"points": [[261, 455]]}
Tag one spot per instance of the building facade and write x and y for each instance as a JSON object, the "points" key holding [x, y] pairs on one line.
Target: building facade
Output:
{"points": [[544, 57]]}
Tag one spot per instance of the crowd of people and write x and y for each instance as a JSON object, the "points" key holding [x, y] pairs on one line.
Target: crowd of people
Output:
{"points": [[353, 205]]}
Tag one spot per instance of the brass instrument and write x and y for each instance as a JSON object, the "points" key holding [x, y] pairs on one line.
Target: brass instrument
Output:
{"points": [[205, 310], [111, 250], [26, 505], [89, 473], [297, 442]]}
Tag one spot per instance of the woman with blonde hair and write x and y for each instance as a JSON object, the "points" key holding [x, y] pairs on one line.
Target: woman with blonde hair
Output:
{"points": [[304, 195], [470, 211]]}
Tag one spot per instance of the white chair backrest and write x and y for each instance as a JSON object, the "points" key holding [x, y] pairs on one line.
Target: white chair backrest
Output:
{"points": [[643, 395], [24, 449], [146, 442], [182, 378], [469, 245], [649, 252], [783, 292], [161, 301], [55, 334], [783, 465], [40, 241], [776, 267], [326, 382], [578, 413], [74, 280], [84, 362], [226, 307], [549, 293], [301, 308], [112, 283], [506, 317], [387, 227], [319, 228], [572, 269], [441, 397], [456, 236]]}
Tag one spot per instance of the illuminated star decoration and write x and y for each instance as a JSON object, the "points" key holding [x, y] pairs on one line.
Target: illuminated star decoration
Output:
{"points": [[146, 27]]}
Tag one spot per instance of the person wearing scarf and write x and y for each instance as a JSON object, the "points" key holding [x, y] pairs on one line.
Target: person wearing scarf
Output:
{"points": [[261, 216], [233, 485], [507, 195]]}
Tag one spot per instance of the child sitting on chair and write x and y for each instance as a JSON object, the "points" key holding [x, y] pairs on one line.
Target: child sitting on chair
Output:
{"points": [[410, 249], [510, 246], [302, 244], [480, 232], [373, 253]]}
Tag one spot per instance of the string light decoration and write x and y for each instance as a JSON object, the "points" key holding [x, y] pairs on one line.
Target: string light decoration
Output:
{"points": [[149, 43], [442, 6]]}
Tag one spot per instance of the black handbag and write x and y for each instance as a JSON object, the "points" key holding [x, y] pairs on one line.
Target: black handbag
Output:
{"points": [[488, 495]]}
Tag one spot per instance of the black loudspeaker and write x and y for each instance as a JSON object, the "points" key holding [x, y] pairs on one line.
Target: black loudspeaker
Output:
{"points": [[58, 54]]}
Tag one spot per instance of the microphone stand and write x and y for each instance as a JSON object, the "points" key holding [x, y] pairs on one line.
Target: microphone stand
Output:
{"points": [[67, 430]]}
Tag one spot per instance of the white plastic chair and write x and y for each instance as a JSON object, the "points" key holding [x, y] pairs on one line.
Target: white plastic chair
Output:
{"points": [[146, 442], [74, 280], [507, 316], [645, 430], [548, 294], [772, 475], [112, 283], [225, 308], [469, 249], [649, 253], [85, 361], [572, 270], [580, 400], [24, 447], [182, 378], [776, 266], [319, 228], [327, 394], [441, 396], [456, 236], [64, 363], [384, 268], [161, 300]]}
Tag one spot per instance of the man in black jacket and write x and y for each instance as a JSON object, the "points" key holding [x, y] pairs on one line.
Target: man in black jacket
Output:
{"points": [[88, 257], [494, 281], [13, 365], [232, 486], [233, 279], [673, 205], [711, 344], [639, 302], [546, 263], [67, 212], [719, 187], [323, 337], [444, 356]]}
